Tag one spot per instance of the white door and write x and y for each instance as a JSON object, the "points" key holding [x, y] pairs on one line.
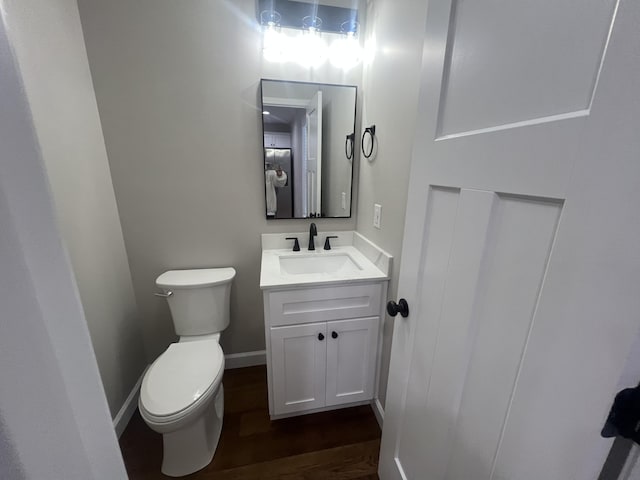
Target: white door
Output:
{"points": [[314, 154], [298, 359], [521, 255], [351, 359]]}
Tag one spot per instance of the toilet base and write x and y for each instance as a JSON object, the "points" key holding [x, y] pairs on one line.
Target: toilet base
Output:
{"points": [[192, 447]]}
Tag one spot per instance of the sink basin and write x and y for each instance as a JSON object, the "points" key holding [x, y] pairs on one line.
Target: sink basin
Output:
{"points": [[318, 263], [353, 259]]}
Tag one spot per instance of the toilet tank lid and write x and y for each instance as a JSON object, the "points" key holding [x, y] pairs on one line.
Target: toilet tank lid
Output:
{"points": [[201, 277]]}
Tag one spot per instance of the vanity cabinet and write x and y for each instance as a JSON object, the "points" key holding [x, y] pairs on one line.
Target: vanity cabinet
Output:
{"points": [[322, 346]]}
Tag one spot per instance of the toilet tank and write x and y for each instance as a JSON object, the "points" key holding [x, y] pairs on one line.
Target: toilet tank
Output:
{"points": [[198, 299]]}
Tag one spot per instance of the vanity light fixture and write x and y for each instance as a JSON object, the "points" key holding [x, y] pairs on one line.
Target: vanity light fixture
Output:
{"points": [[310, 47], [270, 18], [303, 14], [350, 27], [312, 23]]}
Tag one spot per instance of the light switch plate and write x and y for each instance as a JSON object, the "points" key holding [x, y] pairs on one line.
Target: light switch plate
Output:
{"points": [[377, 214]]}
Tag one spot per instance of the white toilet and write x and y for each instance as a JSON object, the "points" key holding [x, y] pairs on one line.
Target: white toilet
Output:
{"points": [[181, 395]]}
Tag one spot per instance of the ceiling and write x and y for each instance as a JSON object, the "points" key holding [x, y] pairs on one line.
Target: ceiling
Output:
{"points": [[280, 115]]}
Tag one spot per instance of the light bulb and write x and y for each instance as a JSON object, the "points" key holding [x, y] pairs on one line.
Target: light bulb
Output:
{"points": [[312, 50], [274, 45], [345, 52]]}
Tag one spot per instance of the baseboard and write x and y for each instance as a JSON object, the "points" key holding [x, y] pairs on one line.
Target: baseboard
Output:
{"points": [[245, 359], [123, 416], [378, 411]]}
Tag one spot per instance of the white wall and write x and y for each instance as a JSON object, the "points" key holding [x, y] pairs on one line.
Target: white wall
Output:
{"points": [[177, 85], [54, 420], [393, 45], [48, 42]]}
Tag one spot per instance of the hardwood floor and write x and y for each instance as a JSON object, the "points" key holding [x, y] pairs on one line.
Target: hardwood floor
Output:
{"points": [[338, 445]]}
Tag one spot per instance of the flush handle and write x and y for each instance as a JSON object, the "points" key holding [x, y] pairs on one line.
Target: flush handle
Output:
{"points": [[164, 295]]}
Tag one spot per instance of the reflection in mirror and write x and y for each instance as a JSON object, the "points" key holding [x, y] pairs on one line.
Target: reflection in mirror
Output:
{"points": [[308, 148]]}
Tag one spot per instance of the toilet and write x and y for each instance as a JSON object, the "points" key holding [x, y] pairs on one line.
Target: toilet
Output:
{"points": [[181, 395]]}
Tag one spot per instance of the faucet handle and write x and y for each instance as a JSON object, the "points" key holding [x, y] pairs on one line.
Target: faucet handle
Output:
{"points": [[296, 245], [327, 245]]}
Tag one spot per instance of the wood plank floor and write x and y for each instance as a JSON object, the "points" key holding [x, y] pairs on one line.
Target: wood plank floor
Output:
{"points": [[338, 445]]}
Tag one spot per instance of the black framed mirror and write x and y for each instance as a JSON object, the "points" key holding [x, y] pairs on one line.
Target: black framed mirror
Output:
{"points": [[308, 134]]}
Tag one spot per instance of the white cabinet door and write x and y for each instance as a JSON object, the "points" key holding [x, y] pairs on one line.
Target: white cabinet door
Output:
{"points": [[298, 361], [282, 140], [351, 359], [277, 140]]}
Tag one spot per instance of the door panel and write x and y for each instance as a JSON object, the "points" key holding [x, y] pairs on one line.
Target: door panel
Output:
{"points": [[495, 266], [520, 261], [513, 62], [351, 359], [298, 360], [436, 235]]}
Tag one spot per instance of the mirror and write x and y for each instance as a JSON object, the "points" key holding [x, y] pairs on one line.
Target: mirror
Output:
{"points": [[308, 148]]}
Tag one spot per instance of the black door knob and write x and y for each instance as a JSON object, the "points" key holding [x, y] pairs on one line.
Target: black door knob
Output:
{"points": [[320, 336], [334, 334], [402, 308]]}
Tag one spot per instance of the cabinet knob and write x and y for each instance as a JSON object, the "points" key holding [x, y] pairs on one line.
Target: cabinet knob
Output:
{"points": [[320, 336], [334, 334]]}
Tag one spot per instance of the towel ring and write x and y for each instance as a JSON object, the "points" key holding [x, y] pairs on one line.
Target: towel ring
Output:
{"points": [[372, 132], [349, 142]]}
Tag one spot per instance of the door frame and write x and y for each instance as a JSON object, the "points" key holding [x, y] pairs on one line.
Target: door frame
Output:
{"points": [[45, 340]]}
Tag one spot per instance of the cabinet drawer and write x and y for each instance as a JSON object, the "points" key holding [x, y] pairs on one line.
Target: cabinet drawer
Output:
{"points": [[319, 304]]}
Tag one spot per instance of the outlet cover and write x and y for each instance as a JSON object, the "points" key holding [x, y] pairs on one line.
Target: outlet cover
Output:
{"points": [[377, 215]]}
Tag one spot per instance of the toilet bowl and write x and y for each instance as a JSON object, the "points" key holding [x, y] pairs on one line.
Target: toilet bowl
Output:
{"points": [[181, 395]]}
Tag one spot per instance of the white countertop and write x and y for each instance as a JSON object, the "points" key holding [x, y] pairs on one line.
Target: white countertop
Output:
{"points": [[373, 262]]}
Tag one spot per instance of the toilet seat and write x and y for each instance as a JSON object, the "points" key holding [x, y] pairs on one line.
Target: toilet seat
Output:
{"points": [[182, 379]]}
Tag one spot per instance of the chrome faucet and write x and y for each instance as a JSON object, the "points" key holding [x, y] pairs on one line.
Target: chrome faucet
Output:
{"points": [[313, 231]]}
